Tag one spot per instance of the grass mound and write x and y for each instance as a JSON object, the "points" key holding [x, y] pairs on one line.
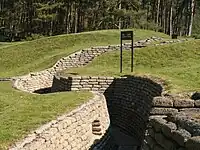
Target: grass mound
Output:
{"points": [[21, 112], [43, 53], [177, 63]]}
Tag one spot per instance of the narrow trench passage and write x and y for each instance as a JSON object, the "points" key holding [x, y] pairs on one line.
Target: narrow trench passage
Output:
{"points": [[124, 141], [129, 102]]}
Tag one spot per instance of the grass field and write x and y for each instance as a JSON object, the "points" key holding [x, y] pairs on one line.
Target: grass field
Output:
{"points": [[21, 112], [42, 53], [177, 63]]}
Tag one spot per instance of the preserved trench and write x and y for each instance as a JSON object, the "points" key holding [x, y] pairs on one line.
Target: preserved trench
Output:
{"points": [[126, 113]]}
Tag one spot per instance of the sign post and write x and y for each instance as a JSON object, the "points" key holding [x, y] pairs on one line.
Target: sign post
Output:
{"points": [[126, 35]]}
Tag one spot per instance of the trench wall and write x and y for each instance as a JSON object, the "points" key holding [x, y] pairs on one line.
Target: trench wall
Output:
{"points": [[77, 130], [177, 132], [136, 105], [133, 104], [174, 124], [129, 99], [43, 80]]}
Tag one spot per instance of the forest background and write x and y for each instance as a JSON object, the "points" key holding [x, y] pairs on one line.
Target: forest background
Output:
{"points": [[35, 18]]}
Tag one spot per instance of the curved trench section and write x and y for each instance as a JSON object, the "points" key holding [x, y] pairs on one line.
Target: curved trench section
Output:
{"points": [[115, 119], [40, 82], [129, 102], [120, 124], [126, 113]]}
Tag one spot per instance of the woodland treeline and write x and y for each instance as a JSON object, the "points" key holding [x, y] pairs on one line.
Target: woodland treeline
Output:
{"points": [[53, 17]]}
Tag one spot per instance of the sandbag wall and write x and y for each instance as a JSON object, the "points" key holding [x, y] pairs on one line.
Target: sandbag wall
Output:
{"points": [[129, 99], [77, 130], [174, 124], [177, 132]]}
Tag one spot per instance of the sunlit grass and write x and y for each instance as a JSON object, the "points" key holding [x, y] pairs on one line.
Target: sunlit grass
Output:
{"points": [[25, 57], [177, 63], [21, 112]]}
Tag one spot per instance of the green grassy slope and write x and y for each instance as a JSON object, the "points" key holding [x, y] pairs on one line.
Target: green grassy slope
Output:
{"points": [[177, 63], [21, 112], [43, 53]]}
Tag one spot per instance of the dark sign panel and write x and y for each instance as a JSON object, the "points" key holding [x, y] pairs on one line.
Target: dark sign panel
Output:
{"points": [[127, 35]]}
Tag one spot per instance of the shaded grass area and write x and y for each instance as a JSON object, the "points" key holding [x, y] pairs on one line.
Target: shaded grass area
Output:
{"points": [[21, 112], [43, 53], [176, 63], [8, 44], [4, 44]]}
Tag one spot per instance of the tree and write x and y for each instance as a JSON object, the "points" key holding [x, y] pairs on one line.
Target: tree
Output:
{"points": [[191, 17]]}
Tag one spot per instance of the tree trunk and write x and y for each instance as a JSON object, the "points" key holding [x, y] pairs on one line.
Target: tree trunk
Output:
{"points": [[76, 19], [171, 17], [157, 17], [120, 19], [164, 16], [191, 17]]}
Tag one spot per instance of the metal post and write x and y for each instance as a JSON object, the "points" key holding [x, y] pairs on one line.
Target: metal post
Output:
{"points": [[132, 55], [121, 55], [126, 35]]}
